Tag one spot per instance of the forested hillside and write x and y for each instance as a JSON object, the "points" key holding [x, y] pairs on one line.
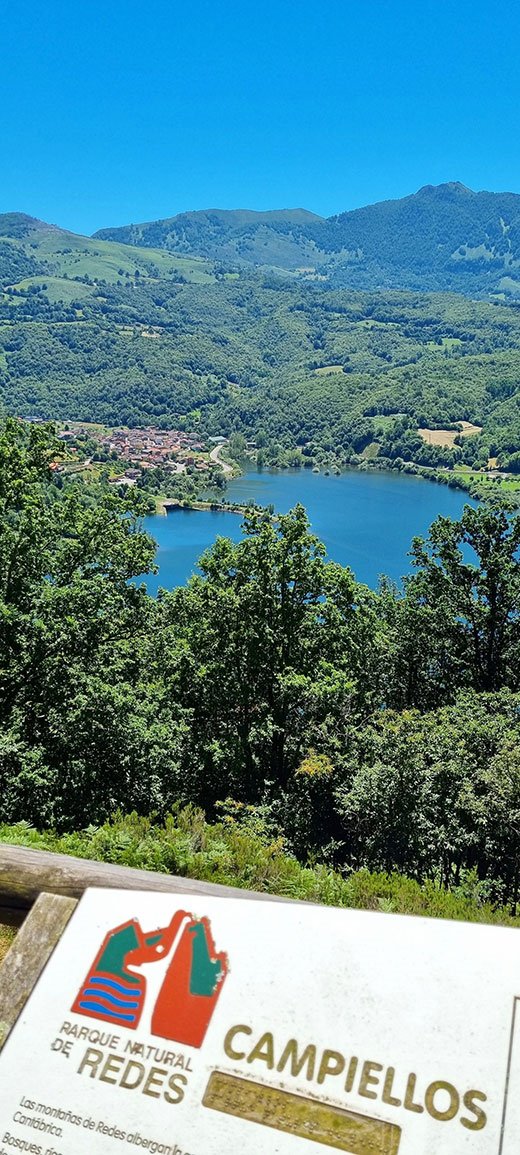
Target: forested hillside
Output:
{"points": [[356, 728], [99, 331], [443, 237], [235, 236]]}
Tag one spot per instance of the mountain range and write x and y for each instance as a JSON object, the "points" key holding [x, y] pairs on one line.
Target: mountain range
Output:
{"points": [[284, 323], [443, 237]]}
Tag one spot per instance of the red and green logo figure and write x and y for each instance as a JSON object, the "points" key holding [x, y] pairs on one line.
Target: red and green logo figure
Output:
{"points": [[115, 991]]}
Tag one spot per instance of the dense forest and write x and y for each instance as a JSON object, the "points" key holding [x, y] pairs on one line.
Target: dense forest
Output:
{"points": [[102, 331], [318, 719]]}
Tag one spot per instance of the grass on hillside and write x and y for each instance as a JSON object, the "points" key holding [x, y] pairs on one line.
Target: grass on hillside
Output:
{"points": [[444, 343], [382, 422], [447, 436], [370, 451], [58, 288], [81, 256], [76, 256], [489, 485]]}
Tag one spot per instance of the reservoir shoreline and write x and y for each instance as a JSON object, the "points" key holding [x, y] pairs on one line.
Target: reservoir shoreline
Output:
{"points": [[366, 519]]}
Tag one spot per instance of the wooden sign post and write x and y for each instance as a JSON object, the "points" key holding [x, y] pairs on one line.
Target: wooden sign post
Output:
{"points": [[29, 954], [196, 1025]]}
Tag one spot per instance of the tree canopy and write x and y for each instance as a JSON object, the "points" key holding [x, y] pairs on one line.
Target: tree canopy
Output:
{"points": [[365, 729]]}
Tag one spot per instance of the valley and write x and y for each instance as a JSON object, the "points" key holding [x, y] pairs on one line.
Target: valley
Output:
{"points": [[98, 330], [269, 709], [260, 578]]}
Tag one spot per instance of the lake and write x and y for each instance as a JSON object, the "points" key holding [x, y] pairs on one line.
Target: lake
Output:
{"points": [[366, 520]]}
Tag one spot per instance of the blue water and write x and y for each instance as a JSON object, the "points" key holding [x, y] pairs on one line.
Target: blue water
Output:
{"points": [[366, 520]]}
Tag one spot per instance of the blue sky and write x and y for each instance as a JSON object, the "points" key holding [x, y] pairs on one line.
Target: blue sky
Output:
{"points": [[115, 111]]}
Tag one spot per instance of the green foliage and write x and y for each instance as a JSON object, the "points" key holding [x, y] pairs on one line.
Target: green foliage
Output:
{"points": [[6, 937], [438, 794], [354, 729], [351, 730], [309, 810], [69, 674], [273, 629], [480, 597], [185, 844]]}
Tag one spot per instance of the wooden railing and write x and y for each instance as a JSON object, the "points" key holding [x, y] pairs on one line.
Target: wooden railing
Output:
{"points": [[24, 874], [48, 886]]}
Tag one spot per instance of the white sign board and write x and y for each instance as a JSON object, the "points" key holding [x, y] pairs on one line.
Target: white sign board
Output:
{"points": [[257, 1028]]}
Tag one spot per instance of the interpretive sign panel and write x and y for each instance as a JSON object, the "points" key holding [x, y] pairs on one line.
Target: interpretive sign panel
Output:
{"points": [[260, 1028]]}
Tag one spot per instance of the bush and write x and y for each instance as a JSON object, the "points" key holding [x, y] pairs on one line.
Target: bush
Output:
{"points": [[227, 853]]}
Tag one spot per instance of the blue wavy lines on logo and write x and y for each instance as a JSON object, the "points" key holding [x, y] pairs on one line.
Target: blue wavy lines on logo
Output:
{"points": [[119, 986], [98, 997], [106, 1012], [127, 1004]]}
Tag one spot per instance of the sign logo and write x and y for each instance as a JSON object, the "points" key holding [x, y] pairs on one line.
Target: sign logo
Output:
{"points": [[115, 990]]}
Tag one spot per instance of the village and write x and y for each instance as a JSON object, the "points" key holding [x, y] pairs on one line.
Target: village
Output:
{"points": [[139, 449]]}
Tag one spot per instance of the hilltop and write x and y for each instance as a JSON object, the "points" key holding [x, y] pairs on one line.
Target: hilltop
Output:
{"points": [[443, 237], [277, 238]]}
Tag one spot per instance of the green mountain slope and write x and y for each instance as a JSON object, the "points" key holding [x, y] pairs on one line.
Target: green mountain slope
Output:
{"points": [[124, 334], [32, 251], [236, 235], [300, 362], [444, 237]]}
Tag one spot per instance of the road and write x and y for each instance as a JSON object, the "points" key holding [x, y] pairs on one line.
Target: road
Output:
{"points": [[215, 456]]}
